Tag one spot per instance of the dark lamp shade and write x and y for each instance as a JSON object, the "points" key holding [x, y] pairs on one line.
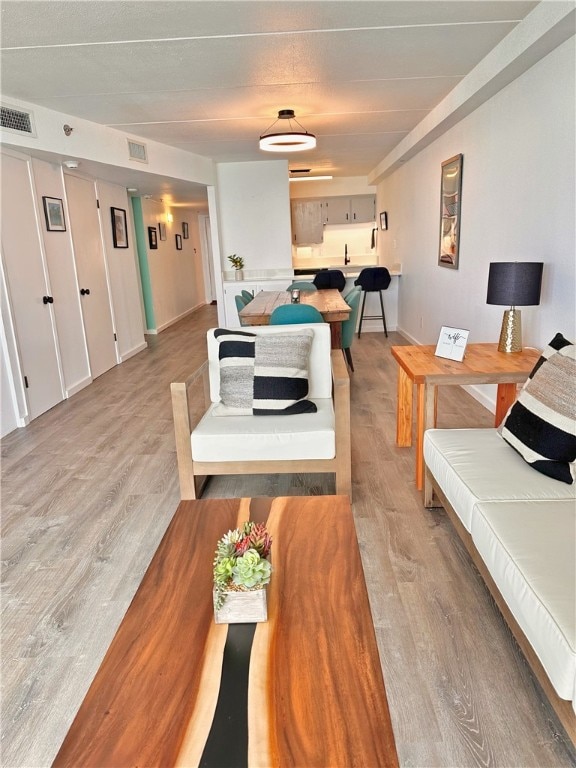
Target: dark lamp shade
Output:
{"points": [[515, 283]]}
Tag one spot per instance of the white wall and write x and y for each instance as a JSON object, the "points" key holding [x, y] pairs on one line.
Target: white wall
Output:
{"points": [[176, 276], [340, 186], [254, 214], [518, 204]]}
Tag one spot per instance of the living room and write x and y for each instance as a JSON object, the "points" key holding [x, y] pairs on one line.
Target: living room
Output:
{"points": [[106, 453]]}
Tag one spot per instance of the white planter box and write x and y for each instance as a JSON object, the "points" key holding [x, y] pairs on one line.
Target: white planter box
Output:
{"points": [[242, 608]]}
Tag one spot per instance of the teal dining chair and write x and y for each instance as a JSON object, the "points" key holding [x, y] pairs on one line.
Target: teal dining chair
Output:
{"points": [[246, 295], [349, 326], [302, 285], [240, 304], [288, 314]]}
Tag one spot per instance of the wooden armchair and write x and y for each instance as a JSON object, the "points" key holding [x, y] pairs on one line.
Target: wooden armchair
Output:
{"points": [[209, 444]]}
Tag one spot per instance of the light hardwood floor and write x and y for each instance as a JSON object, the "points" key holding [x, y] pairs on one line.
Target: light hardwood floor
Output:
{"points": [[89, 488]]}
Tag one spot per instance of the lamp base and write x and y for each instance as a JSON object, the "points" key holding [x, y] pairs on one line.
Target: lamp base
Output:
{"points": [[511, 332]]}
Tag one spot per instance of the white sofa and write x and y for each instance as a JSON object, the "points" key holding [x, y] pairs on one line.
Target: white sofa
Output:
{"points": [[519, 527]]}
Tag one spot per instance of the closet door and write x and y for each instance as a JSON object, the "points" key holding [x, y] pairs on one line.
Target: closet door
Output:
{"points": [[92, 278], [28, 288]]}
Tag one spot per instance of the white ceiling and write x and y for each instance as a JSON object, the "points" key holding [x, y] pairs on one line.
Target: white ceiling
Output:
{"points": [[209, 77]]}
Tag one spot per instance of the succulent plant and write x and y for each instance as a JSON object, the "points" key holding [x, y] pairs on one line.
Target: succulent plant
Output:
{"points": [[251, 570], [241, 560]]}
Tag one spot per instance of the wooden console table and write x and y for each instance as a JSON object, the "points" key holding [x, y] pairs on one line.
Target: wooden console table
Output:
{"points": [[304, 688], [483, 364]]}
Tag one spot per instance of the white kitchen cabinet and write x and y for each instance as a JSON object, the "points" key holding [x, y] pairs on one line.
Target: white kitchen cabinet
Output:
{"points": [[357, 209], [307, 224], [363, 209]]}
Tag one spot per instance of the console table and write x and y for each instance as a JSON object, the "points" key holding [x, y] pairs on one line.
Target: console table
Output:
{"points": [[419, 367]]}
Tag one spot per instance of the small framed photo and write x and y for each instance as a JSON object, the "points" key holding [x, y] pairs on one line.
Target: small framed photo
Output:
{"points": [[119, 228], [185, 233], [383, 220], [162, 230], [178, 242], [452, 343], [152, 238], [54, 212]]}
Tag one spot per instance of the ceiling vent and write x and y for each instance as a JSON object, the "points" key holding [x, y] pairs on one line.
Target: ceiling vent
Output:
{"points": [[137, 151], [17, 121]]}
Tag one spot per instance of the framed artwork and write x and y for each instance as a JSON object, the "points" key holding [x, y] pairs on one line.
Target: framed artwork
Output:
{"points": [[185, 233], [162, 230], [178, 242], [152, 237], [450, 198], [54, 212], [119, 228], [452, 343], [383, 220]]}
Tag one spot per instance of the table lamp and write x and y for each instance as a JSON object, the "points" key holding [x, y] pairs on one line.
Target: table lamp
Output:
{"points": [[516, 283]]}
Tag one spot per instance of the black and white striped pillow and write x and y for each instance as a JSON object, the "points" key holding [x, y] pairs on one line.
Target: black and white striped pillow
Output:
{"points": [[236, 359], [541, 425]]}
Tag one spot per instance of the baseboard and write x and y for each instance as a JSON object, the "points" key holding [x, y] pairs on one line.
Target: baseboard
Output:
{"points": [[79, 386], [178, 318], [375, 326], [133, 351]]}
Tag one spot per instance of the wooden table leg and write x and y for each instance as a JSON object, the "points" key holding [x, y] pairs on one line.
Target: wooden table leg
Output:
{"points": [[426, 419], [404, 409], [336, 334], [504, 398]]}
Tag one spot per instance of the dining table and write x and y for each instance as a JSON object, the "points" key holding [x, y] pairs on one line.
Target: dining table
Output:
{"points": [[329, 302]]}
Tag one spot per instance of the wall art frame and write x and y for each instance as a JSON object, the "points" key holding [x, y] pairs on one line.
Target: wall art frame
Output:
{"points": [[178, 242], [383, 220], [54, 213], [119, 228], [152, 238], [450, 216], [185, 230], [162, 230]]}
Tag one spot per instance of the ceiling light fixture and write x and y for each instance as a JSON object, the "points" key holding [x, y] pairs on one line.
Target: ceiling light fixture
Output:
{"points": [[311, 178], [287, 140]]}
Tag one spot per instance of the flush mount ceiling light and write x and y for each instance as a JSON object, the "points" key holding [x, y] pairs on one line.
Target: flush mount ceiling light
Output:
{"points": [[287, 140], [311, 178]]}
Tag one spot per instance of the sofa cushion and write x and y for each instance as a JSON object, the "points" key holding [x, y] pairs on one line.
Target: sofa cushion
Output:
{"points": [[541, 425], [475, 465], [236, 359], [281, 374], [529, 548], [302, 436]]}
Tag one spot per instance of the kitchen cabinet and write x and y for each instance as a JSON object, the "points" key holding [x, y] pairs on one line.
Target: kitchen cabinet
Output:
{"points": [[231, 289], [357, 209], [307, 224]]}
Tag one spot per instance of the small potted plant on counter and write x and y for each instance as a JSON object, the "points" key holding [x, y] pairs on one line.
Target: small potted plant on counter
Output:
{"points": [[242, 570], [238, 264]]}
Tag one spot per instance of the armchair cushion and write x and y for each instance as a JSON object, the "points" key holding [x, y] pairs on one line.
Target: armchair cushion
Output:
{"points": [[263, 375]]}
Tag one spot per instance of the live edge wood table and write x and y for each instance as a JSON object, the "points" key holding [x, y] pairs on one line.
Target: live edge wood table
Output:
{"points": [[328, 302], [483, 364], [303, 689]]}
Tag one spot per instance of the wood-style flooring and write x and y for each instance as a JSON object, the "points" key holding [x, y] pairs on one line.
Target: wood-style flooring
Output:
{"points": [[89, 488]]}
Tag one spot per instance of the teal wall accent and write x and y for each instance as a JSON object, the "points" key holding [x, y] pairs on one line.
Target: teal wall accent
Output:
{"points": [[142, 248]]}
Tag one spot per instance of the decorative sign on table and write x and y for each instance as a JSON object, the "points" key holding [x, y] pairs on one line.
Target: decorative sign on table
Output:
{"points": [[452, 343]]}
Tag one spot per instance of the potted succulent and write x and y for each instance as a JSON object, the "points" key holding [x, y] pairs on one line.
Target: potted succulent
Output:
{"points": [[241, 571], [238, 264]]}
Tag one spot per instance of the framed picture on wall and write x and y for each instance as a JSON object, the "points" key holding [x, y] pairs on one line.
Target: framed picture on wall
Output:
{"points": [[185, 233], [383, 220], [450, 198], [119, 228], [54, 212], [178, 242], [162, 230], [152, 238]]}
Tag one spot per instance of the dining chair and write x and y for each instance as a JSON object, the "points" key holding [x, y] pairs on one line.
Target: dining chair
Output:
{"points": [[349, 325], [302, 285], [286, 314], [240, 304], [246, 295], [372, 280], [330, 278]]}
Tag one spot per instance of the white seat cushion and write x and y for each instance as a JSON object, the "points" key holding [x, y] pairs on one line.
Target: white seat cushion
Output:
{"points": [[474, 465], [529, 548], [265, 438]]}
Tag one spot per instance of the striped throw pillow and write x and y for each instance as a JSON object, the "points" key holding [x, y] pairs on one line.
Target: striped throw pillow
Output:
{"points": [[541, 425], [236, 359]]}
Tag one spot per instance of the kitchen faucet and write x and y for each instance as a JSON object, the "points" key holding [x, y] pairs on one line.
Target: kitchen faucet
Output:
{"points": [[346, 257]]}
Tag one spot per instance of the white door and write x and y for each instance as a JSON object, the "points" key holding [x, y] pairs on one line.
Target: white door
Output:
{"points": [[92, 278], [28, 289]]}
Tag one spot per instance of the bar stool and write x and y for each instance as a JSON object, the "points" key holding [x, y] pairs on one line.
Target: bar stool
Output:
{"points": [[373, 279], [330, 278]]}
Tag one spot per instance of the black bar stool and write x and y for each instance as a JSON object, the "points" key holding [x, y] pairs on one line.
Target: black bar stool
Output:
{"points": [[330, 278], [373, 279]]}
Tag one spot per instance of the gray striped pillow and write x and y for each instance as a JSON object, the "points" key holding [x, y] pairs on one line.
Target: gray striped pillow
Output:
{"points": [[541, 425]]}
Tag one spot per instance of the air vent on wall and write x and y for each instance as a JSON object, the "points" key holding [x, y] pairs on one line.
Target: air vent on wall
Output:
{"points": [[137, 151], [17, 121]]}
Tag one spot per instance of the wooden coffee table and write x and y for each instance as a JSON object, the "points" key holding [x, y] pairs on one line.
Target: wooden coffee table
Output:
{"points": [[482, 364], [305, 688]]}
